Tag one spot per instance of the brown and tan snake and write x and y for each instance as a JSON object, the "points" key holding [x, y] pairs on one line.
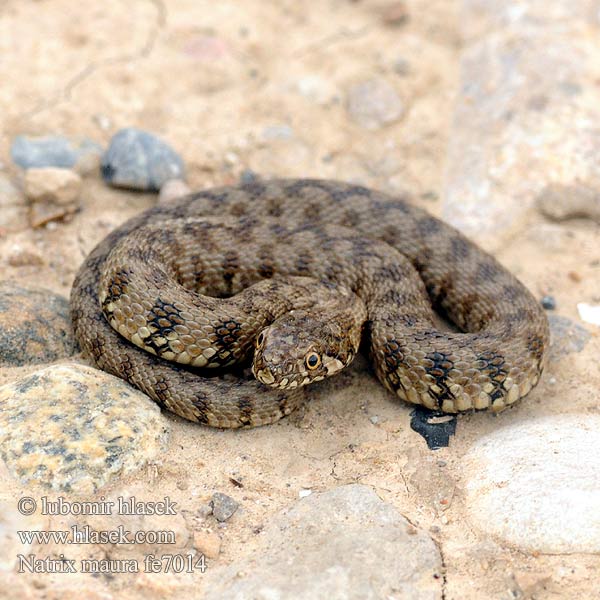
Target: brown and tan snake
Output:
{"points": [[373, 265]]}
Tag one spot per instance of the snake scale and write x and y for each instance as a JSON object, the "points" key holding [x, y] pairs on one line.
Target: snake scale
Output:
{"points": [[253, 254]]}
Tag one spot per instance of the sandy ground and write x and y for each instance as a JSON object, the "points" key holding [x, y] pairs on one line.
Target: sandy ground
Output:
{"points": [[261, 86]]}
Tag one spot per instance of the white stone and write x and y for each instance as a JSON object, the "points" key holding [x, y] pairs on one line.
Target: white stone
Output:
{"points": [[374, 103], [536, 485]]}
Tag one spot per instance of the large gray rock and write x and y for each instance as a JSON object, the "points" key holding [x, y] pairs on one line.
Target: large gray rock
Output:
{"points": [[345, 543], [523, 121], [536, 485], [73, 428]]}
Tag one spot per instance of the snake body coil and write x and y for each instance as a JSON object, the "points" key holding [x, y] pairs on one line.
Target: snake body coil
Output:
{"points": [[389, 258]]}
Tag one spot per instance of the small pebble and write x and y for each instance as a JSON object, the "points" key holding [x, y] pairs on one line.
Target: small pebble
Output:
{"points": [[21, 257], [46, 151], [303, 493], [223, 506], [55, 151], [316, 89], [139, 160], [52, 184], [374, 419], [278, 132], [548, 302], [374, 103], [207, 543], [589, 313], [566, 337], [248, 176], [173, 189], [402, 67], [562, 202], [395, 13]]}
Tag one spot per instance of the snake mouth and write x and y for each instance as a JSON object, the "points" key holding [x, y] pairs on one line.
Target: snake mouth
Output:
{"points": [[264, 376]]}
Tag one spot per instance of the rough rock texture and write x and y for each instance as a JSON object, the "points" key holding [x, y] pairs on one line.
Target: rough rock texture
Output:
{"points": [[223, 506], [524, 120], [74, 428], [51, 184], [566, 337], [560, 203], [139, 160], [344, 543], [536, 485], [35, 326]]}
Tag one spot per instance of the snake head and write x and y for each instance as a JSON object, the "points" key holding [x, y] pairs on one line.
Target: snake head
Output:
{"points": [[299, 348]]}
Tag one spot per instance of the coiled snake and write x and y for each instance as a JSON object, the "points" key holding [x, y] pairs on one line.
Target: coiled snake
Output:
{"points": [[328, 262]]}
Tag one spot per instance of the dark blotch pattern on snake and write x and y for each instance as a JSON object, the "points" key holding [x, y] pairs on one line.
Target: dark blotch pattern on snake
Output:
{"points": [[386, 255]]}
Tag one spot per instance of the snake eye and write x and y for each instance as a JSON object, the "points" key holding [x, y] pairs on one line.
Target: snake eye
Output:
{"points": [[312, 360], [260, 339]]}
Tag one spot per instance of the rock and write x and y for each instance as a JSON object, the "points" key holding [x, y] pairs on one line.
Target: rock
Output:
{"points": [[248, 176], [395, 14], [278, 132], [72, 428], [590, 313], [35, 326], [13, 206], [55, 151], [139, 160], [207, 543], [523, 72], [562, 202], [24, 257], [319, 90], [374, 103], [344, 543], [566, 337], [548, 302], [53, 192], [536, 485], [173, 189], [40, 152], [223, 506], [54, 185]]}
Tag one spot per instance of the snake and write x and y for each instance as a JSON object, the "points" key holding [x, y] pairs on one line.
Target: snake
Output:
{"points": [[295, 275]]}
